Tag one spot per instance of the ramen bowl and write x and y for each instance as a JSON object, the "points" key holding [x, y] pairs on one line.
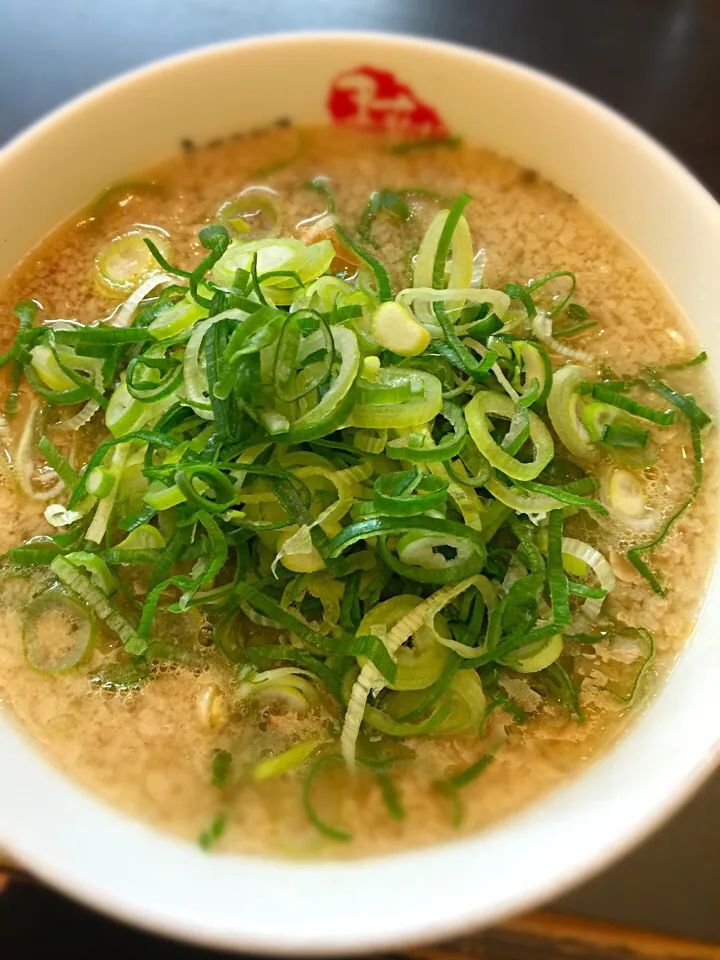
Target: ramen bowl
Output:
{"points": [[415, 88]]}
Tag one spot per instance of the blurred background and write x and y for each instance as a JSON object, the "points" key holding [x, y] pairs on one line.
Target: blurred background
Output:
{"points": [[656, 61]]}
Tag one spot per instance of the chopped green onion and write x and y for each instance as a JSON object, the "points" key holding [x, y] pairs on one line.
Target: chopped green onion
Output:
{"points": [[683, 365], [536, 365], [213, 832], [559, 686], [221, 762], [390, 796], [100, 482], [213, 480], [427, 566], [519, 432], [451, 445], [563, 495], [379, 485], [576, 329], [97, 601], [25, 311], [59, 463], [466, 776], [424, 403], [562, 301], [369, 647], [624, 436], [252, 215]]}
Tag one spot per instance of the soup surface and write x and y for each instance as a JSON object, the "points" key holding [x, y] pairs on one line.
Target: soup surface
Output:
{"points": [[553, 636]]}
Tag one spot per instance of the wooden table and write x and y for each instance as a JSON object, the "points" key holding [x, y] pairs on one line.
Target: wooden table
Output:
{"points": [[657, 61], [35, 923]]}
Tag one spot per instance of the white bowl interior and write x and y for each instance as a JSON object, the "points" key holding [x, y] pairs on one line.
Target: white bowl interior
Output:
{"points": [[99, 855]]}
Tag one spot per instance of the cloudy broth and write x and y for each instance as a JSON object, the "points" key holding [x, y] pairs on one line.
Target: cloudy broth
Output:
{"points": [[150, 750]]}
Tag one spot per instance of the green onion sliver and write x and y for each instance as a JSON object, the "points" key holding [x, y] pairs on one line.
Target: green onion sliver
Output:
{"points": [[557, 578], [332, 410], [685, 403], [424, 403], [635, 554], [59, 463], [617, 399], [97, 601], [284, 762]]}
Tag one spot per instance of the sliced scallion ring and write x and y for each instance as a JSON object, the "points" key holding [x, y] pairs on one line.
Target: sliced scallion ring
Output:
{"points": [[58, 633], [424, 404], [253, 214], [126, 261], [176, 318], [461, 271], [623, 493], [564, 407], [418, 666], [100, 482], [276, 264], [284, 762], [152, 375], [332, 410], [124, 413], [478, 412], [536, 656], [535, 364], [423, 450], [409, 493]]}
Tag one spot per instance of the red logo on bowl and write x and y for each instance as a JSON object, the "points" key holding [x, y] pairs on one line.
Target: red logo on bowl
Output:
{"points": [[371, 99]]}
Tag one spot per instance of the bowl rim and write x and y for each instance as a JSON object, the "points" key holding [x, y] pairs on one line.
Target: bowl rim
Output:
{"points": [[428, 928]]}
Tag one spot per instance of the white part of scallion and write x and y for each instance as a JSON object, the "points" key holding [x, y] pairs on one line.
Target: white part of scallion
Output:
{"points": [[396, 329], [600, 567], [123, 316], [624, 495]]}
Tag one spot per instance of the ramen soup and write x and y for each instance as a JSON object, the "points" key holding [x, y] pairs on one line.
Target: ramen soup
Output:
{"points": [[352, 491]]}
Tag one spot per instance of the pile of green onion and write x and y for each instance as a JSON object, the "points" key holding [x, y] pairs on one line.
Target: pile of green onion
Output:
{"points": [[382, 477]]}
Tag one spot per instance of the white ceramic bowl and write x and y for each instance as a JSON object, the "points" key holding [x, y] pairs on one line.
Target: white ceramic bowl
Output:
{"points": [[120, 866]]}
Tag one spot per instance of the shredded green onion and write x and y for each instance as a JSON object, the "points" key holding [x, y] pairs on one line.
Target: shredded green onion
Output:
{"points": [[635, 555], [617, 399]]}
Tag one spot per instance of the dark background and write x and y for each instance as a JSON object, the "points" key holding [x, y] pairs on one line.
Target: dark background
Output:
{"points": [[657, 61]]}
